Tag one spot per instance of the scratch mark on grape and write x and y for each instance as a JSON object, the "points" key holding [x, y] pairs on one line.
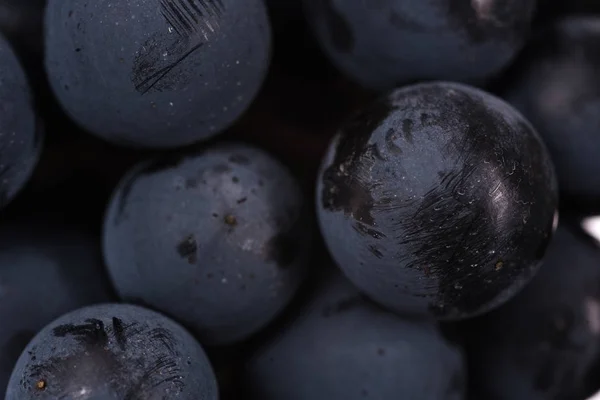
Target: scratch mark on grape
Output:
{"points": [[150, 82], [158, 64]]}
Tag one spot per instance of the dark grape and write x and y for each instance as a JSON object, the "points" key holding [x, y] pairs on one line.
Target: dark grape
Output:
{"points": [[156, 73], [113, 352], [543, 344], [218, 240], [383, 43], [438, 198], [342, 347], [20, 131], [46, 270], [557, 87]]}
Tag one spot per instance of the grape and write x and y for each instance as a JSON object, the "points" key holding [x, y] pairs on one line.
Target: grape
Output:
{"points": [[218, 240], [342, 347], [557, 88], [46, 270], [438, 198], [383, 43], [20, 131], [156, 73], [113, 351], [543, 344]]}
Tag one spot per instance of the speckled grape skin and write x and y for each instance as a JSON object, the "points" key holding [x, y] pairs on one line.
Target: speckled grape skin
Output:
{"points": [[557, 87], [438, 198], [543, 344], [343, 347], [45, 271], [156, 73], [384, 43], [113, 352], [218, 240], [20, 133]]}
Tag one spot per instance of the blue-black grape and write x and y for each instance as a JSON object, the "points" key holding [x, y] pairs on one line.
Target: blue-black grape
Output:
{"points": [[438, 198], [218, 240], [113, 352], [46, 270], [20, 131], [557, 87], [156, 73], [383, 43], [543, 344], [341, 346]]}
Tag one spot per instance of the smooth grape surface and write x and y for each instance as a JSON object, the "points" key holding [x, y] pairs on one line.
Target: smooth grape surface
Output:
{"points": [[343, 347], [20, 133], [218, 240], [557, 87], [156, 73], [113, 352], [438, 198], [543, 344], [383, 43], [45, 271]]}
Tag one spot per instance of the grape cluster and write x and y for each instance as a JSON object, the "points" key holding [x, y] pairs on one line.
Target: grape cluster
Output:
{"points": [[299, 200]]}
